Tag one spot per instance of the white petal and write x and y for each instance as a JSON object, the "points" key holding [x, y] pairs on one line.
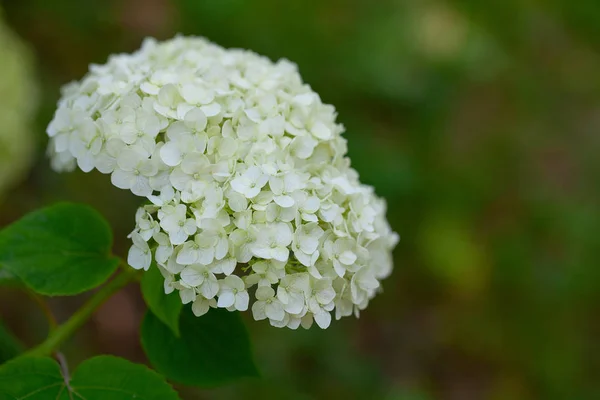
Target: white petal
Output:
{"points": [[141, 186], [239, 185], [274, 310], [347, 257], [296, 304], [211, 110], [284, 201], [227, 266], [200, 306], [237, 202], [323, 319], [195, 119], [258, 310], [241, 301], [339, 268], [187, 295], [280, 254], [122, 179], [170, 154], [138, 258], [206, 255], [86, 162], [226, 299], [221, 249], [264, 292], [192, 277], [321, 131], [187, 255], [210, 287]]}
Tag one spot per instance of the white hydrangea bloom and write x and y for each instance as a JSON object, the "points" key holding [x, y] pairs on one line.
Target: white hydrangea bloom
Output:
{"points": [[252, 201], [18, 99]]}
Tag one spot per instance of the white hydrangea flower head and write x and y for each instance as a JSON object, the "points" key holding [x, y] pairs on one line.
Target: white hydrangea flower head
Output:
{"points": [[252, 203], [18, 99]]}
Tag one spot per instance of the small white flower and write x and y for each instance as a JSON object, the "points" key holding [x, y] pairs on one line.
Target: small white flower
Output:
{"points": [[241, 241], [272, 241], [267, 306], [202, 278], [204, 249], [306, 243], [308, 205], [342, 253], [134, 168], [164, 249], [320, 301], [250, 182], [292, 291], [106, 159], [284, 187], [266, 273], [147, 226], [362, 284], [139, 256], [232, 293], [86, 144], [174, 221], [201, 305], [183, 138]]}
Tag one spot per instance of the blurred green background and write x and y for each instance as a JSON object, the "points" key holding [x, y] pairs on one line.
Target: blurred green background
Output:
{"points": [[478, 121]]}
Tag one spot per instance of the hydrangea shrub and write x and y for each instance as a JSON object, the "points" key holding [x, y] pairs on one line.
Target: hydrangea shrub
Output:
{"points": [[251, 199]]}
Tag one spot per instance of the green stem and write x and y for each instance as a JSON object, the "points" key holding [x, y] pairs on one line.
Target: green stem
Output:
{"points": [[64, 331]]}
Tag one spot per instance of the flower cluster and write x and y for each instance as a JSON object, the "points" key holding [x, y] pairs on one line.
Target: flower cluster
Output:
{"points": [[17, 101], [250, 193]]}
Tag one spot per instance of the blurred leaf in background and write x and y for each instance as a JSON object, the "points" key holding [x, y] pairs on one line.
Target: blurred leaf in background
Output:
{"points": [[18, 101]]}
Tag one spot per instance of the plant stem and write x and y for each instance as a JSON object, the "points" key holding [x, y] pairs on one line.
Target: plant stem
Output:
{"points": [[64, 331], [64, 369]]}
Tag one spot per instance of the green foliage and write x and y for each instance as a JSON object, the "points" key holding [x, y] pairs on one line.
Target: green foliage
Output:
{"points": [[166, 308], [31, 377], [63, 249], [10, 346], [212, 349], [107, 377], [7, 278], [99, 378]]}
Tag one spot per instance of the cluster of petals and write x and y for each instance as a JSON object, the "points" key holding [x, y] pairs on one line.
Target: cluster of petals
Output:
{"points": [[251, 201], [17, 105]]}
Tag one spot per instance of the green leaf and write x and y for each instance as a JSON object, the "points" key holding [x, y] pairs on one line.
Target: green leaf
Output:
{"points": [[99, 378], [32, 377], [212, 349], [63, 249], [10, 346], [166, 307], [7, 278], [107, 377]]}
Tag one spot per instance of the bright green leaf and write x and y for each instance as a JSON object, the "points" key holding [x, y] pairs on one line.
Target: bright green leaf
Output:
{"points": [[63, 249], [166, 307], [10, 346], [32, 377], [211, 350], [107, 377], [99, 378]]}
